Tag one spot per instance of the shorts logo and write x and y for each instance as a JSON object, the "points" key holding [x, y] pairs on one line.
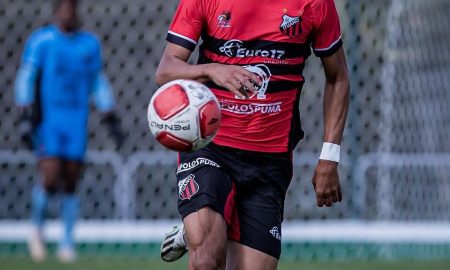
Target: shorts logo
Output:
{"points": [[291, 26], [187, 187], [186, 166], [275, 233]]}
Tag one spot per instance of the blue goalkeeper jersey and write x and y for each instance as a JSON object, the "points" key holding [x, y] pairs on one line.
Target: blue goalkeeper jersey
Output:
{"points": [[66, 68]]}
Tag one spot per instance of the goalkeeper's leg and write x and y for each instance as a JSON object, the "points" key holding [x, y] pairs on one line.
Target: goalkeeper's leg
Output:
{"points": [[50, 169], [174, 244]]}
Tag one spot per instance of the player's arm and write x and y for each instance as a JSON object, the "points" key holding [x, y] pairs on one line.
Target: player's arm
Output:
{"points": [[336, 96], [25, 85], [335, 108], [173, 65], [105, 103], [24, 93], [24, 89], [102, 93], [26, 78], [184, 32]]}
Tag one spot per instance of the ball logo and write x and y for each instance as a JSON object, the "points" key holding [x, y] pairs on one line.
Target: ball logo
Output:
{"points": [[187, 187], [264, 74], [198, 92], [163, 126]]}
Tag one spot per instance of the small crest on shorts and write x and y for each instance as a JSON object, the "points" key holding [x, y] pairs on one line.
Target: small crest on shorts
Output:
{"points": [[275, 233], [291, 25], [187, 187]]}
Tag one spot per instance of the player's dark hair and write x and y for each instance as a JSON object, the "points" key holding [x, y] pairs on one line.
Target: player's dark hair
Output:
{"points": [[57, 3]]}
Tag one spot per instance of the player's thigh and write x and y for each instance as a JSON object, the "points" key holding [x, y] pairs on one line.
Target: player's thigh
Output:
{"points": [[206, 235], [241, 257], [50, 169], [203, 198], [71, 172], [47, 141], [260, 214], [202, 182], [74, 143], [204, 192]]}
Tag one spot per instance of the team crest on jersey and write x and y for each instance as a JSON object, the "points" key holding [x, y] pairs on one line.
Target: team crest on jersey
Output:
{"points": [[187, 187], [223, 20], [264, 74], [290, 25]]}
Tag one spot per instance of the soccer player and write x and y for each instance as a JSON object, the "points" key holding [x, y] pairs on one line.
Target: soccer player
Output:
{"points": [[252, 57], [61, 66]]}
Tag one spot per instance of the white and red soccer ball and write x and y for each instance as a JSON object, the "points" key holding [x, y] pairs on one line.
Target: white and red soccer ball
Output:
{"points": [[184, 115]]}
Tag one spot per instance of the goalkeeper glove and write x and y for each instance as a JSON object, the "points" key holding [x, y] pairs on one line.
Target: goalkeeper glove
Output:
{"points": [[26, 127], [112, 123]]}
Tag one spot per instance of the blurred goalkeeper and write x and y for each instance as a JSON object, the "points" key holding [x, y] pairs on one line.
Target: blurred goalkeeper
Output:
{"points": [[61, 67]]}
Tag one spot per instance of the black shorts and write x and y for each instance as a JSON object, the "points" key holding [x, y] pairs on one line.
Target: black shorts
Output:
{"points": [[247, 188]]}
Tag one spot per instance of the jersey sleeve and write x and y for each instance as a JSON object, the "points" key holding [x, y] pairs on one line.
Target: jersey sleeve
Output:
{"points": [[33, 53], [187, 24], [98, 62], [101, 89], [327, 37], [32, 58], [103, 96]]}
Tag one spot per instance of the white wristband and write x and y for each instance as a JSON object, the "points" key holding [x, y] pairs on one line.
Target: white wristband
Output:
{"points": [[331, 152]]}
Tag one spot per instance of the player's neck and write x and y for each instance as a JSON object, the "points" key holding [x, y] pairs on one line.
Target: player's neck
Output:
{"points": [[65, 31]]}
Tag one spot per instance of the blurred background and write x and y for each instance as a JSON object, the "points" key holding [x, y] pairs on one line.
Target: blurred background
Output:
{"points": [[396, 152]]}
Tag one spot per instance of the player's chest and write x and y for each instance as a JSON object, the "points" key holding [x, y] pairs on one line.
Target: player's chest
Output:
{"points": [[281, 20], [70, 57]]}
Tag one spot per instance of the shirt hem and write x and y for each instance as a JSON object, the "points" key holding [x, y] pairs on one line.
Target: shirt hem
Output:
{"points": [[254, 148]]}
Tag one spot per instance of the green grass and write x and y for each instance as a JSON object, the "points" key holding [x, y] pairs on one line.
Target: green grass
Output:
{"points": [[128, 264]]}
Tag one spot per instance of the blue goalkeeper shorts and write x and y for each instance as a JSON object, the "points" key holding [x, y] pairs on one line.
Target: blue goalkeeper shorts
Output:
{"points": [[58, 141]]}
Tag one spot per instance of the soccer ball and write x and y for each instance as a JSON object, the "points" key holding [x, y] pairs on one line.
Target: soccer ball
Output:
{"points": [[184, 115]]}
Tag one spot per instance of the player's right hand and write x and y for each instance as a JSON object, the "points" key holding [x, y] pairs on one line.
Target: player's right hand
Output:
{"points": [[112, 122], [326, 183], [234, 78], [26, 128]]}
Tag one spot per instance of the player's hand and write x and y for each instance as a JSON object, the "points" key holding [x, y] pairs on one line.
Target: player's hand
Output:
{"points": [[326, 183], [26, 137], [234, 78], [114, 129], [26, 127]]}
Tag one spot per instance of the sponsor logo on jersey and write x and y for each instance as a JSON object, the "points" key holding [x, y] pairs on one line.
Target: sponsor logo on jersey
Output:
{"points": [[186, 166], [264, 74], [275, 233], [187, 187], [291, 26], [223, 20], [251, 108], [235, 48]]}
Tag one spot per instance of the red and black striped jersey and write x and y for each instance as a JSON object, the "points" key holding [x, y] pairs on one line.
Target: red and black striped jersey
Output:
{"points": [[270, 38]]}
